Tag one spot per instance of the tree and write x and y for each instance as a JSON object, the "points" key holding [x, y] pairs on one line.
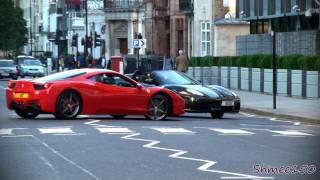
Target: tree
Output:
{"points": [[13, 29]]}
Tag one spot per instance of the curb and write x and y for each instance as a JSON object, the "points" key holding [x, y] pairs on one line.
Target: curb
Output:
{"points": [[279, 115]]}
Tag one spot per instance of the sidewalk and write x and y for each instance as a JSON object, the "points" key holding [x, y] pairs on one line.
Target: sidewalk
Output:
{"points": [[305, 110]]}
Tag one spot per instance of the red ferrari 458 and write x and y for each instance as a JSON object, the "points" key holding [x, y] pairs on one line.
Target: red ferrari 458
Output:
{"points": [[90, 91]]}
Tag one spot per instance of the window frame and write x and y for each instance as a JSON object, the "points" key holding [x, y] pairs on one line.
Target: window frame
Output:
{"points": [[205, 38]]}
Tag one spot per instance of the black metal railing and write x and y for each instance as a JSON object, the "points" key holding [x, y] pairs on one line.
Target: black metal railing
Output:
{"points": [[186, 5], [122, 4]]}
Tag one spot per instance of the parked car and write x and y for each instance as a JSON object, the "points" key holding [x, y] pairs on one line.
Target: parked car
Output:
{"points": [[30, 66], [199, 98], [90, 91], [8, 69]]}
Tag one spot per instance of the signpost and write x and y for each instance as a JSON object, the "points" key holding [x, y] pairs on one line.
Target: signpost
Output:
{"points": [[138, 44]]}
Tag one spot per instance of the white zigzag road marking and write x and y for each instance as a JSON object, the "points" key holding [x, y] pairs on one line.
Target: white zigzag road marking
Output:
{"points": [[178, 155], [94, 122]]}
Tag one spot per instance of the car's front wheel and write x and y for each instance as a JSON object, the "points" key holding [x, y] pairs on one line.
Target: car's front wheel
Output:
{"points": [[158, 107], [217, 114], [68, 105], [26, 114]]}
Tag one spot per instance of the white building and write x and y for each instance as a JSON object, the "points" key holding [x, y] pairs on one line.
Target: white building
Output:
{"points": [[205, 14]]}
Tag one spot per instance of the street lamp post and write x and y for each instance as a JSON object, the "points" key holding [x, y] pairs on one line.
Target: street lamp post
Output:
{"points": [[86, 28], [274, 70], [30, 28], [318, 3]]}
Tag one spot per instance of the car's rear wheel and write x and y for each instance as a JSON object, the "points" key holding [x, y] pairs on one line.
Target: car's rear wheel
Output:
{"points": [[158, 107], [26, 114], [217, 114], [118, 116], [68, 105]]}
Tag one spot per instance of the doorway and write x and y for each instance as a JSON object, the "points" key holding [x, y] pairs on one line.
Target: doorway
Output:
{"points": [[123, 42]]}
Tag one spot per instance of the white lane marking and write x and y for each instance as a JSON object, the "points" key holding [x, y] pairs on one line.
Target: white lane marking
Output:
{"points": [[75, 134], [3, 87], [83, 116], [57, 130], [247, 114], [178, 155], [291, 133], [46, 162], [232, 131], [7, 131], [66, 159], [114, 130], [169, 130], [297, 123], [17, 136], [92, 122], [277, 120]]}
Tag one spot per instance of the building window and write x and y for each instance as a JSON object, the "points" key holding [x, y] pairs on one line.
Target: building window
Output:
{"points": [[272, 7], [258, 8], [247, 8], [205, 38]]}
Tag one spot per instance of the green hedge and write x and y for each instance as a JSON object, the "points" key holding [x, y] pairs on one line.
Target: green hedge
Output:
{"points": [[311, 63]]}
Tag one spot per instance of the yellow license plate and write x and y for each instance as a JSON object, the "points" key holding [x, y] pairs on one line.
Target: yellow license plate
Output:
{"points": [[21, 95]]}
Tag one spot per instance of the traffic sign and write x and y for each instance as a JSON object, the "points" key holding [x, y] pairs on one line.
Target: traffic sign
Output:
{"points": [[139, 43]]}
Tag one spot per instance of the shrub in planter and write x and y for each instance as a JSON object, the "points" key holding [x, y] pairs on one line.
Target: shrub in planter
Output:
{"points": [[192, 61], [293, 61], [307, 63], [242, 61], [317, 63], [266, 61]]}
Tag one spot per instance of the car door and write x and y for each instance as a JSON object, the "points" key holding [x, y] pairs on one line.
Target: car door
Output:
{"points": [[119, 95]]}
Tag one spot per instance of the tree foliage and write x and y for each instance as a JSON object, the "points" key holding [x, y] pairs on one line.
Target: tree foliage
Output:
{"points": [[13, 29]]}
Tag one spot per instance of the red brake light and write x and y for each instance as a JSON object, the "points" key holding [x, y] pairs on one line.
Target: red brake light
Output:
{"points": [[11, 84]]}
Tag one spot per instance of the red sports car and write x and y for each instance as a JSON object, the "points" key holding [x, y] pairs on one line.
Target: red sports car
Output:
{"points": [[90, 91]]}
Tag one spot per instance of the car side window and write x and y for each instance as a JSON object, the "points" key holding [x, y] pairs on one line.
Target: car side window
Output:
{"points": [[120, 81], [112, 79]]}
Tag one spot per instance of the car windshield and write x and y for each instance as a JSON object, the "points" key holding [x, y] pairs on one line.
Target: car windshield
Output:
{"points": [[6, 64], [61, 76], [173, 77], [30, 62]]}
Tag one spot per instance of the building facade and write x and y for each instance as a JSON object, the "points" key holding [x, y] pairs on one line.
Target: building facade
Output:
{"points": [[124, 21], [225, 35], [296, 22], [206, 13]]}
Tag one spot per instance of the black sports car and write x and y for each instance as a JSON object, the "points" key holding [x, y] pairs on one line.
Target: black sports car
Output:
{"points": [[213, 99]]}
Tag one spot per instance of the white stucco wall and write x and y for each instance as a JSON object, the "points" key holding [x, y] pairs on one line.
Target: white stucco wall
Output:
{"points": [[203, 10], [225, 38]]}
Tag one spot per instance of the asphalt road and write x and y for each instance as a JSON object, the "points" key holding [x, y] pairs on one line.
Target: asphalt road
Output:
{"points": [[190, 147]]}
